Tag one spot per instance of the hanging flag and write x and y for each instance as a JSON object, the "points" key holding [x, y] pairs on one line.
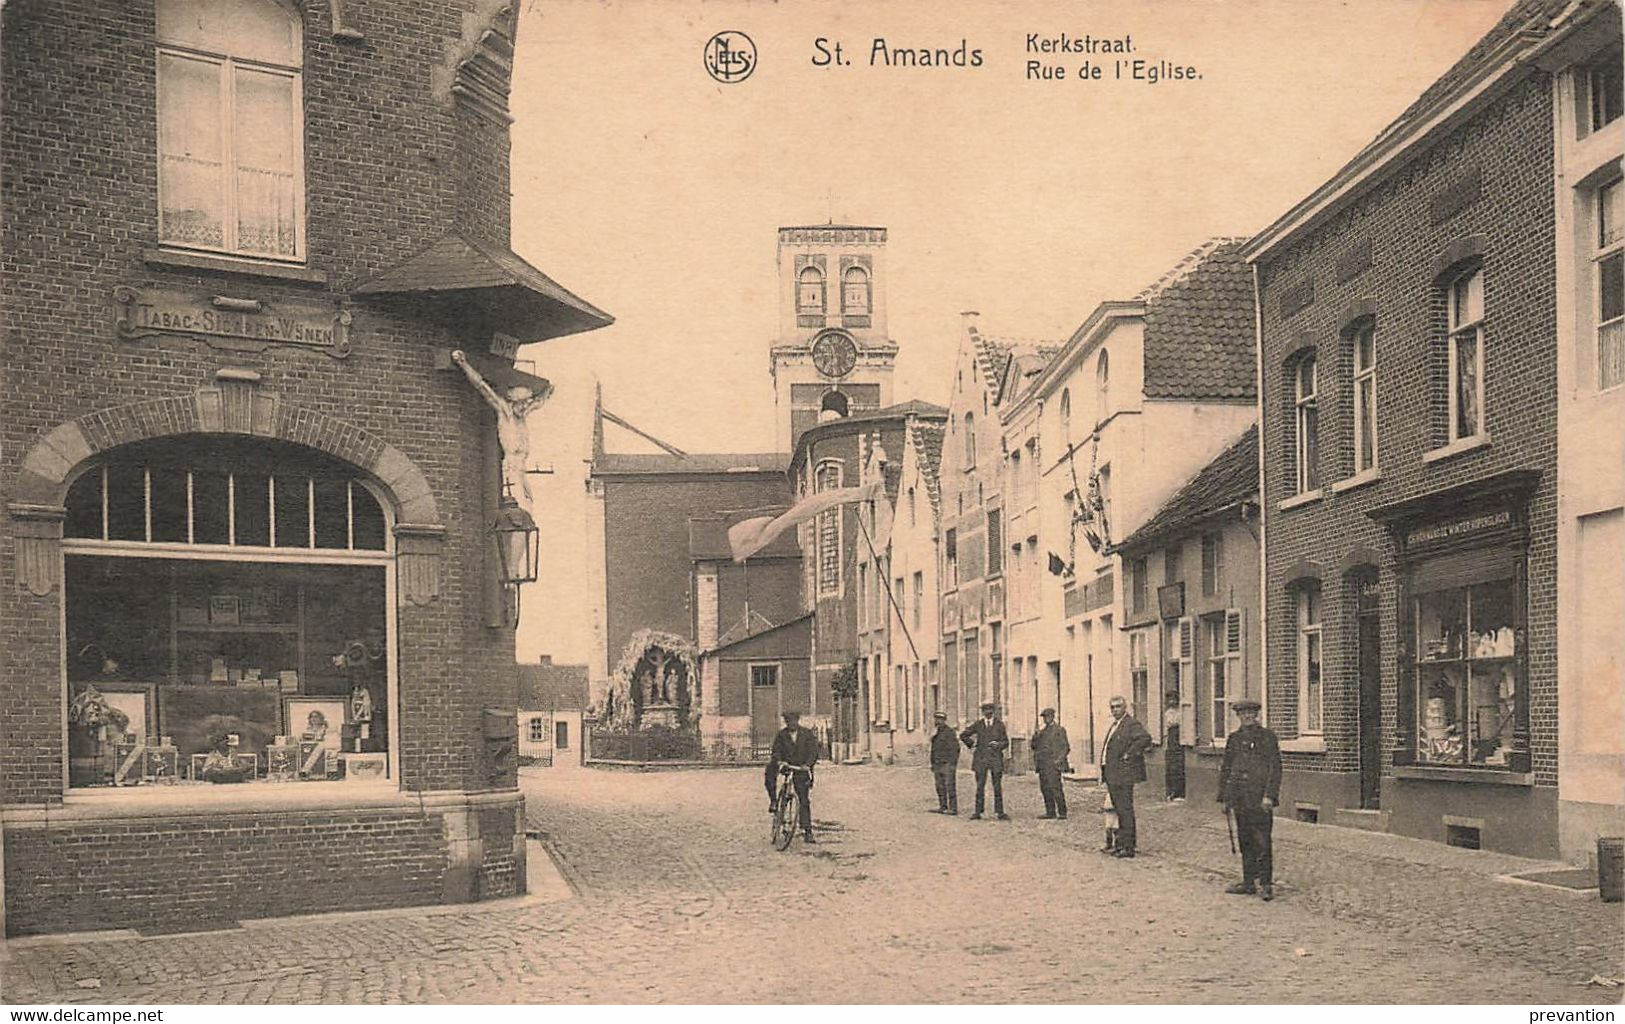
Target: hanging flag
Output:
{"points": [[749, 536]]}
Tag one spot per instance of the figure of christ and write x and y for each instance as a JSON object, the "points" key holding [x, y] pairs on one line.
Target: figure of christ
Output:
{"points": [[512, 432]]}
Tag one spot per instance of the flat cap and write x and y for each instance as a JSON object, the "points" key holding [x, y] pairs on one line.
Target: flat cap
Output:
{"points": [[1047, 713], [1247, 704], [988, 705], [940, 714]]}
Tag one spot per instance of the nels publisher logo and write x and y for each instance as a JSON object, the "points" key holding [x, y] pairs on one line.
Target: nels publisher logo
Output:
{"points": [[730, 57]]}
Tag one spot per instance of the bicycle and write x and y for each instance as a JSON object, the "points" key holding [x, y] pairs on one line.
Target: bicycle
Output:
{"points": [[786, 806]]}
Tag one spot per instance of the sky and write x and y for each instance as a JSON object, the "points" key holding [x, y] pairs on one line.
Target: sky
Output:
{"points": [[655, 192]]}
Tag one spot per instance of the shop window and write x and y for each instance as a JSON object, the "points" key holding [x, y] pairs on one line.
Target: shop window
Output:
{"points": [[1363, 343], [198, 644], [1305, 425], [185, 670], [1608, 261], [1469, 675], [1310, 692], [231, 127], [1464, 304], [538, 730]]}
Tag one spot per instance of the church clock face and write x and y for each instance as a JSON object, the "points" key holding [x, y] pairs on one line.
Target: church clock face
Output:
{"points": [[834, 353]]}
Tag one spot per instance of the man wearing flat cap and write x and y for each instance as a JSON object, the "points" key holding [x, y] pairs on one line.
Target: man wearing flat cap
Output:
{"points": [[988, 738], [1051, 756], [795, 746], [945, 764], [1249, 788]]}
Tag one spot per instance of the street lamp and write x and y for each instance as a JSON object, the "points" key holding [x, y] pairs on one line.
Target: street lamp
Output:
{"points": [[517, 542]]}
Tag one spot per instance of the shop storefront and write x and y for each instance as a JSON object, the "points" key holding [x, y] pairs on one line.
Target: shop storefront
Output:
{"points": [[228, 597], [1463, 763], [262, 449]]}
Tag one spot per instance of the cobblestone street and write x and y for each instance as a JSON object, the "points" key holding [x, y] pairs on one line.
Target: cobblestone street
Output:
{"points": [[677, 897]]}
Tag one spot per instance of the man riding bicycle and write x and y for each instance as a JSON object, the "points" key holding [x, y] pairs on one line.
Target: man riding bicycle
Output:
{"points": [[798, 747]]}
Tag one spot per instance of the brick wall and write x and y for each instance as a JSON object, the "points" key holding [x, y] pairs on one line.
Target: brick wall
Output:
{"points": [[391, 164], [1386, 248], [190, 871]]}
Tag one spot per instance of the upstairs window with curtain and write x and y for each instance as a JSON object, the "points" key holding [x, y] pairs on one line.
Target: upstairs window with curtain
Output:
{"points": [[231, 127]]}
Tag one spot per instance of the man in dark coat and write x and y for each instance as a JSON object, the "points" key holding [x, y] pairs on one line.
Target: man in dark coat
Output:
{"points": [[1122, 764], [988, 738], [1051, 756], [1249, 788], [795, 746], [945, 764]]}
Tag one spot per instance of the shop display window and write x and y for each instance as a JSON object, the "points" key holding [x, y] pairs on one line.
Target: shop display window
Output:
{"points": [[206, 640], [1469, 676], [258, 656]]}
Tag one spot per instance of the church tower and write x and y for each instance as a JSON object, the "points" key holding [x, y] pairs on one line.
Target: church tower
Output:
{"points": [[832, 357]]}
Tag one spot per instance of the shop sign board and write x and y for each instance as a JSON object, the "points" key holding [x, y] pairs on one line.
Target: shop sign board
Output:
{"points": [[229, 322], [1467, 527]]}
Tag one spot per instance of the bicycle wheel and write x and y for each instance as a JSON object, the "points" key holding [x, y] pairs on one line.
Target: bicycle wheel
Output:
{"points": [[784, 819]]}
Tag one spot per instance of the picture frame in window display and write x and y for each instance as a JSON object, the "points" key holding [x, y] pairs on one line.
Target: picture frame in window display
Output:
{"points": [[138, 702], [317, 724], [191, 714]]}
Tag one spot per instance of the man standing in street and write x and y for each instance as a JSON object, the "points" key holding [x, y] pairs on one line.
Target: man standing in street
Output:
{"points": [[987, 736], [1122, 765], [795, 746], [945, 764], [1051, 757], [1249, 788]]}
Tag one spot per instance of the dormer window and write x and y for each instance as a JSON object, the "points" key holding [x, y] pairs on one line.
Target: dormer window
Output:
{"points": [[231, 128]]}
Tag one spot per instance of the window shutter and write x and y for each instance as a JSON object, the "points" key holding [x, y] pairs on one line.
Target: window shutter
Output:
{"points": [[1235, 656], [1235, 648], [1187, 681]]}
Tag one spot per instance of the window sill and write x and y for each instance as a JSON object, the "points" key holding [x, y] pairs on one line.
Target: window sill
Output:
{"points": [[1299, 500], [1304, 745], [231, 265], [1454, 448], [193, 799], [1369, 476], [1482, 775]]}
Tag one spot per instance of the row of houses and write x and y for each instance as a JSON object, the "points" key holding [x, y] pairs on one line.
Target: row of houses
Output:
{"points": [[1365, 467]]}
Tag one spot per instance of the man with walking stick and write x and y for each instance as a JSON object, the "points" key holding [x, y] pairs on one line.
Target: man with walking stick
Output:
{"points": [[1249, 788]]}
